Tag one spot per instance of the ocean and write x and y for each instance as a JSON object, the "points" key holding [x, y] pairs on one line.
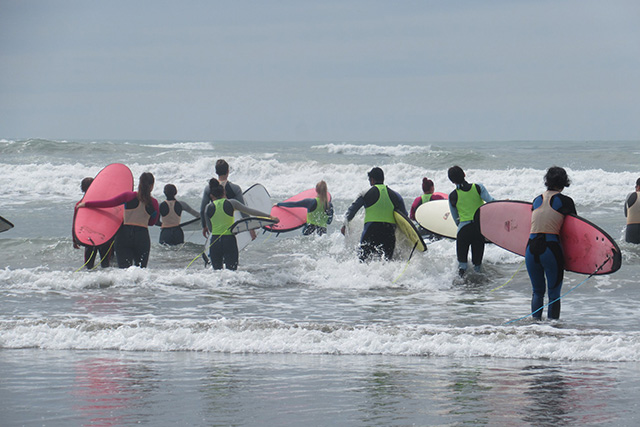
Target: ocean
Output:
{"points": [[303, 333]]}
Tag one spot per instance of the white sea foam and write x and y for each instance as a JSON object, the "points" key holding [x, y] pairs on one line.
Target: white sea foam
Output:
{"points": [[272, 336], [373, 149]]}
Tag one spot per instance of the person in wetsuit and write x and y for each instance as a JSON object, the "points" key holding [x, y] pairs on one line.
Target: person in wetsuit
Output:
{"points": [[90, 252], [427, 195], [378, 237], [319, 210], [632, 213], [171, 215], [132, 243], [219, 214], [232, 191], [464, 201], [544, 257]]}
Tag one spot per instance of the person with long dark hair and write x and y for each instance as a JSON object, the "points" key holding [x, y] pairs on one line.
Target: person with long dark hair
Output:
{"points": [[132, 243], [544, 255], [319, 210]]}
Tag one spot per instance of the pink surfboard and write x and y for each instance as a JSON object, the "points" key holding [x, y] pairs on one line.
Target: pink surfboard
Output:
{"points": [[585, 245], [292, 218], [96, 226]]}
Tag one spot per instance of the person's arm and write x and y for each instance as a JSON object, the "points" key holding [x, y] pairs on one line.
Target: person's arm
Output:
{"points": [[355, 207], [329, 213], [484, 194], [309, 204], [114, 201], [155, 215], [398, 201], [207, 214], [414, 206], [189, 209], [203, 205], [453, 201], [246, 209]]}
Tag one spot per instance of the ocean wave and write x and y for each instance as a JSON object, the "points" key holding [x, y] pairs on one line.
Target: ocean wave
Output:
{"points": [[272, 336], [373, 149]]}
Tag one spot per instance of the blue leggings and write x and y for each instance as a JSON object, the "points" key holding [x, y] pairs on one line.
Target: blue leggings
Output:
{"points": [[544, 259]]}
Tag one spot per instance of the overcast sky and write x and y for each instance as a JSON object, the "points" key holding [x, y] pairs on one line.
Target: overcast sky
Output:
{"points": [[324, 70]]}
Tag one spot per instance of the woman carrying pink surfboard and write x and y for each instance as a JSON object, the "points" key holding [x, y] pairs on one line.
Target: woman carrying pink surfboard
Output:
{"points": [[140, 211], [319, 210], [544, 255]]}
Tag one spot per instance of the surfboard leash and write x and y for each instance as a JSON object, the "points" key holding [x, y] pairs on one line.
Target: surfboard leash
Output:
{"points": [[561, 296], [407, 264], [514, 275], [93, 252], [205, 251], [106, 255]]}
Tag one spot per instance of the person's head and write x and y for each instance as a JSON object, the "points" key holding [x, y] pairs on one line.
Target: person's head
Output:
{"points": [[84, 185], [556, 178], [456, 175], [145, 187], [637, 184], [376, 176], [216, 190], [427, 186], [222, 168], [170, 191], [321, 190]]}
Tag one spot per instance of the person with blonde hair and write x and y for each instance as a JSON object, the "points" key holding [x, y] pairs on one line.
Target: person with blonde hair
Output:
{"points": [[319, 210]]}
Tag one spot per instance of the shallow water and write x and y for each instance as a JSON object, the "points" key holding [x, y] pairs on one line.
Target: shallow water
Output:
{"points": [[303, 332]]}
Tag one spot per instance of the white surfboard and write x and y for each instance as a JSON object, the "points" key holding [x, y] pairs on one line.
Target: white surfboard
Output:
{"points": [[255, 197], [436, 217]]}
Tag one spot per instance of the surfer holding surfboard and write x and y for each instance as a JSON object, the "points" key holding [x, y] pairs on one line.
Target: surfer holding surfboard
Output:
{"points": [[219, 216], [632, 213], [464, 201], [427, 195], [378, 237], [319, 210], [544, 255], [133, 244]]}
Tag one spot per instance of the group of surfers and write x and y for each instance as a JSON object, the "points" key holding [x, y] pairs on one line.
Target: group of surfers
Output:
{"points": [[221, 198]]}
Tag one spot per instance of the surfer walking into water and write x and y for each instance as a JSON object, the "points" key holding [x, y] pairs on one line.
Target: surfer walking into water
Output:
{"points": [[171, 215], [544, 255], [464, 201], [219, 215], [319, 210], [427, 195], [632, 213], [132, 243], [232, 191], [378, 237], [90, 252]]}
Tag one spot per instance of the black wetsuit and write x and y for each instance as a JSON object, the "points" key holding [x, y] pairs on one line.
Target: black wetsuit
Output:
{"points": [[378, 238]]}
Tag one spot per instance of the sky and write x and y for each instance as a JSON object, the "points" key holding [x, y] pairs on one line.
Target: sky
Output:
{"points": [[330, 70]]}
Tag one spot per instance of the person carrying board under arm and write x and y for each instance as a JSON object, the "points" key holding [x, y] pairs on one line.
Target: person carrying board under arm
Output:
{"points": [[464, 201], [632, 213], [544, 256], [223, 250], [319, 210], [378, 237]]}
